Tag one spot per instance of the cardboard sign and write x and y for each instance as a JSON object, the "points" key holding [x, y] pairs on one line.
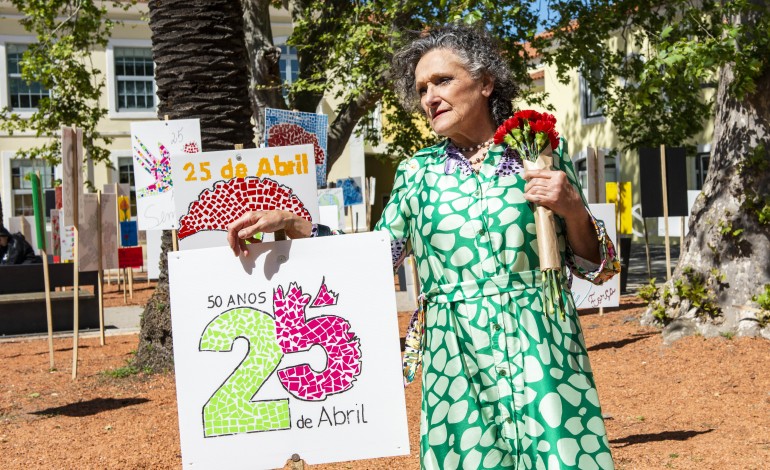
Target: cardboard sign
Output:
{"points": [[153, 143], [213, 189], [586, 294], [130, 257], [110, 230], [293, 349], [72, 172]]}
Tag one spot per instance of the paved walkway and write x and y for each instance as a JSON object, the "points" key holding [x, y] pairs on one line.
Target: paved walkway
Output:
{"points": [[637, 268], [126, 320]]}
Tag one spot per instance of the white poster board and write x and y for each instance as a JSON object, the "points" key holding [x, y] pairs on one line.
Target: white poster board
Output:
{"points": [[153, 143], [332, 197], [153, 253], [72, 172], [253, 382], [212, 189], [586, 294], [675, 223]]}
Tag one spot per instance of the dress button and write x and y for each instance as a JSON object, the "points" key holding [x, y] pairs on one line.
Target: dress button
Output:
{"points": [[502, 372], [477, 193], [496, 327], [509, 420], [481, 231]]}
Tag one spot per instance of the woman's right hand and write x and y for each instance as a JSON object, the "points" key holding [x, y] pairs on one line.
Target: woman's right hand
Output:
{"points": [[247, 226]]}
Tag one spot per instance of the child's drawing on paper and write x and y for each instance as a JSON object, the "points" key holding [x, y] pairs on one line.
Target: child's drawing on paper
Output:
{"points": [[153, 146], [159, 168], [351, 190]]}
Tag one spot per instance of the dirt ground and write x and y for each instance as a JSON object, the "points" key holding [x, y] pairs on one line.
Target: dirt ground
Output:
{"points": [[697, 404]]}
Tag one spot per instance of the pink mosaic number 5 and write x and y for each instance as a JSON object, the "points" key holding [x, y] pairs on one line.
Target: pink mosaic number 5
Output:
{"points": [[234, 407], [333, 333]]}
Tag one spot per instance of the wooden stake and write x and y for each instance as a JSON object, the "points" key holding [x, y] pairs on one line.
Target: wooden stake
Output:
{"points": [[49, 316], [99, 273], [131, 283], [297, 463], [174, 241], [647, 247], [77, 144], [665, 209], [125, 281]]}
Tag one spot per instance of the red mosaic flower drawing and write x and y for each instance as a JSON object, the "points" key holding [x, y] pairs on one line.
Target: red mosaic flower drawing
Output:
{"points": [[227, 200], [292, 134]]}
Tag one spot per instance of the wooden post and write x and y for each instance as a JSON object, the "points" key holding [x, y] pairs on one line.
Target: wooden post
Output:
{"points": [[125, 281], [99, 273], [665, 209], [37, 202], [131, 283], [77, 144], [174, 241], [647, 247], [297, 463]]}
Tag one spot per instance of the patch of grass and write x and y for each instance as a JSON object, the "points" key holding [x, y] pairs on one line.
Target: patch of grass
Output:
{"points": [[763, 300], [727, 334], [673, 456], [121, 372]]}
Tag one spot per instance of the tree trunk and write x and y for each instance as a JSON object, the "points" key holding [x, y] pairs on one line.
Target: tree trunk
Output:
{"points": [[201, 72], [265, 87], [727, 238]]}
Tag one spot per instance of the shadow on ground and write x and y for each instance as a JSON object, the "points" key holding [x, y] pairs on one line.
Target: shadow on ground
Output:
{"points": [[622, 342], [91, 407], [657, 437]]}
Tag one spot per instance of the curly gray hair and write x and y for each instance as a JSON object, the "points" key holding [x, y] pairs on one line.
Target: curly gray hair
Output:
{"points": [[477, 51]]}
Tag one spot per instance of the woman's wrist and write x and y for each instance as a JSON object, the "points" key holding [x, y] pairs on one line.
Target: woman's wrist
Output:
{"points": [[296, 227]]}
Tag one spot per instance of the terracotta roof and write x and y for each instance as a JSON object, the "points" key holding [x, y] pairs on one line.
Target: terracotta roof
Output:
{"points": [[537, 74]]}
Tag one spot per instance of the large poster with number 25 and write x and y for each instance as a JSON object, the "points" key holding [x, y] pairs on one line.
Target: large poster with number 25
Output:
{"points": [[292, 349]]}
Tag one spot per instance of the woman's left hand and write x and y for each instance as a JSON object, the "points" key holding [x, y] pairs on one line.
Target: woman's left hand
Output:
{"points": [[552, 189]]}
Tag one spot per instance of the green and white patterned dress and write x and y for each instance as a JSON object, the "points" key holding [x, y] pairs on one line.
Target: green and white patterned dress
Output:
{"points": [[504, 385]]}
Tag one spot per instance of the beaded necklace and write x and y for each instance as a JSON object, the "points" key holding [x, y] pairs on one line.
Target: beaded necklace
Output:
{"points": [[478, 158]]}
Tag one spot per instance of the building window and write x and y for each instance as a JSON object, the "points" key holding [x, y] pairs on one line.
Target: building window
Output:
{"points": [[21, 187], [126, 176], [610, 170], [697, 169], [134, 79], [289, 65], [22, 96], [588, 100]]}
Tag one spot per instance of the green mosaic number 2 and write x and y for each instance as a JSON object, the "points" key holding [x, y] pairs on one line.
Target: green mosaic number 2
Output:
{"points": [[230, 409]]}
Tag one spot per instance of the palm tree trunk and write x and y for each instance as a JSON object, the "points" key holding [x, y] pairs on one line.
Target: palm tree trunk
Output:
{"points": [[201, 72]]}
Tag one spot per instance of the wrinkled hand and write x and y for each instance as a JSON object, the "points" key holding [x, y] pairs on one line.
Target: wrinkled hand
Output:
{"points": [[247, 226], [552, 189]]}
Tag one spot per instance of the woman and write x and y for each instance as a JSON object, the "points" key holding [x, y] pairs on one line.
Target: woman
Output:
{"points": [[504, 385]]}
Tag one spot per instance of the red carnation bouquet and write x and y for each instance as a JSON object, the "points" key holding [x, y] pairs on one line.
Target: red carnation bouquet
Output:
{"points": [[534, 136]]}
